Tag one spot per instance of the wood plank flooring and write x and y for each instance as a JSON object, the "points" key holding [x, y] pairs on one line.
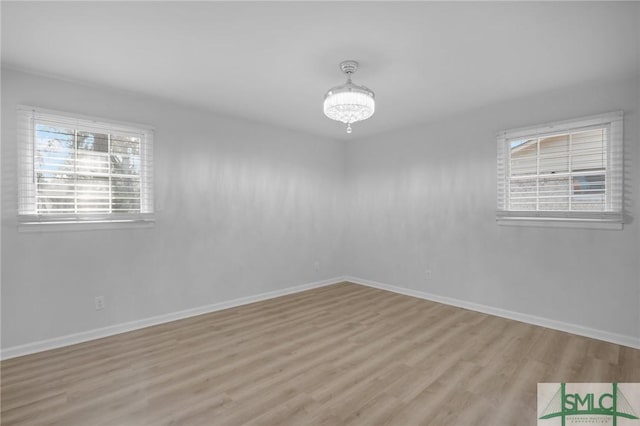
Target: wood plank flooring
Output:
{"points": [[338, 355]]}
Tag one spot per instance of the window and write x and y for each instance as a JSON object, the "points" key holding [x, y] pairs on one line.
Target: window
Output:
{"points": [[78, 170], [569, 171]]}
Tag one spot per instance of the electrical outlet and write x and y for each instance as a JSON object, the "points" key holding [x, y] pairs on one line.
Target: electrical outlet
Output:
{"points": [[316, 266], [99, 303], [427, 274]]}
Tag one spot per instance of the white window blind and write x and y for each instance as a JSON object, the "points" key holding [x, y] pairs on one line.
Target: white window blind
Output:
{"points": [[76, 169], [563, 171]]}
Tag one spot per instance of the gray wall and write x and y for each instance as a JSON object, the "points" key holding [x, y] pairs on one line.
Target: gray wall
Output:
{"points": [[246, 208], [424, 198], [243, 209]]}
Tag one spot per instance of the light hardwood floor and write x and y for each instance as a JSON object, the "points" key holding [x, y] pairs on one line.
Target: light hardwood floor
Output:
{"points": [[338, 355]]}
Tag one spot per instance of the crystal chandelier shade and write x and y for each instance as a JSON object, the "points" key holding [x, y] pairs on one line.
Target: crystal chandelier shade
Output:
{"points": [[349, 102]]}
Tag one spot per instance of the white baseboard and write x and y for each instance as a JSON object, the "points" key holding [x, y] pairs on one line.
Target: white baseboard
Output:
{"points": [[99, 333], [620, 339], [72, 339]]}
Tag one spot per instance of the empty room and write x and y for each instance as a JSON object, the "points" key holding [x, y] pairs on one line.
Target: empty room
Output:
{"points": [[320, 213]]}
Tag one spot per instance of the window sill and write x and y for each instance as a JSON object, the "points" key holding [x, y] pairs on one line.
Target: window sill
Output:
{"points": [[88, 225], [613, 221]]}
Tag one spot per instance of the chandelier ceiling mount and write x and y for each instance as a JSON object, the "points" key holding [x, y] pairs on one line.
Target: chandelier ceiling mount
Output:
{"points": [[349, 102]]}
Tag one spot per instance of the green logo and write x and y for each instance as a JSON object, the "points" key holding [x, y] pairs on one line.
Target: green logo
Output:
{"points": [[613, 404]]}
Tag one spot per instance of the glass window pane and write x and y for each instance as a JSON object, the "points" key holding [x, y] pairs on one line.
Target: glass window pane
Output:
{"points": [[125, 144], [55, 195], [524, 157], [522, 194], [554, 154], [122, 164], [553, 193], [93, 151], [93, 194], [588, 192], [125, 155], [589, 150], [54, 152], [54, 169], [126, 195]]}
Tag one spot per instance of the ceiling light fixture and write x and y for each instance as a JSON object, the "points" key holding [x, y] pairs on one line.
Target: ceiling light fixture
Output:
{"points": [[349, 102]]}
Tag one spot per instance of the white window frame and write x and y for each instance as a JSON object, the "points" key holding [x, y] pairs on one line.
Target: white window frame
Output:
{"points": [[28, 217], [612, 217]]}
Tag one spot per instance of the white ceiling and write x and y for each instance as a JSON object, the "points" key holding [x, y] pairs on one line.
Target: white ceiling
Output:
{"points": [[273, 61]]}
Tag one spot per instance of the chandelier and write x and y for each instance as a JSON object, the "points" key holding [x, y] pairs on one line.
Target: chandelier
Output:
{"points": [[349, 102]]}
